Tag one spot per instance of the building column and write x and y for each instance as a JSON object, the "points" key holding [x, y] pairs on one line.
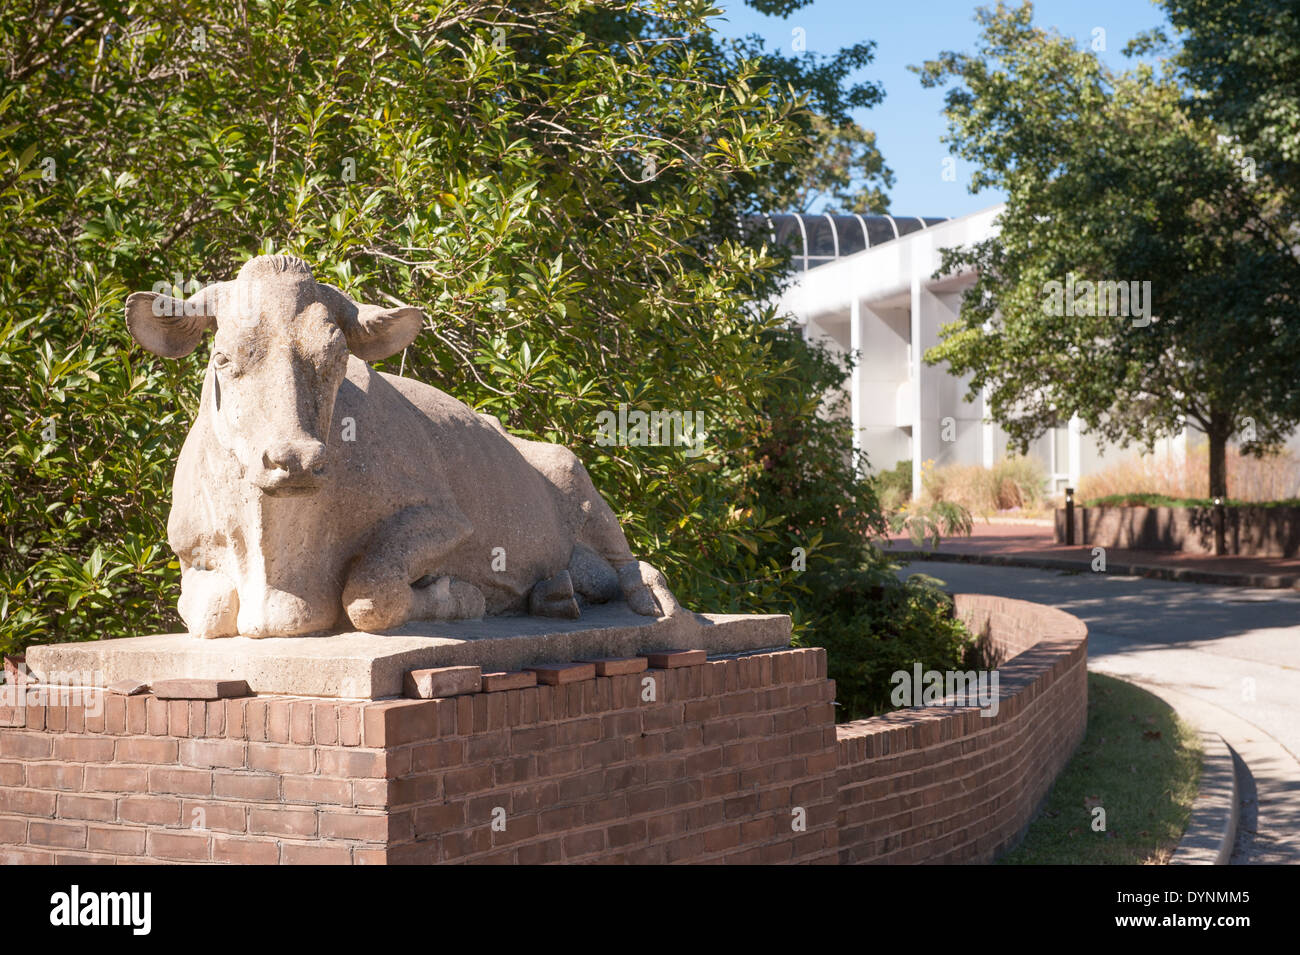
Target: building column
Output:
{"points": [[915, 350], [935, 393], [856, 339], [1076, 450]]}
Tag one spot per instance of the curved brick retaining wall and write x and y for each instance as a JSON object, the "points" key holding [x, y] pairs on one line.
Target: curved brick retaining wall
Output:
{"points": [[736, 759], [939, 784]]}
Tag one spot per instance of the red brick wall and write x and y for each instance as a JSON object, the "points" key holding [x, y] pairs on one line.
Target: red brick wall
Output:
{"points": [[1247, 531], [736, 760], [710, 771], [946, 785]]}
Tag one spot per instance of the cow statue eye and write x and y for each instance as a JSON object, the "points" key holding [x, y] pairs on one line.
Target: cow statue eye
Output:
{"points": [[221, 361]]}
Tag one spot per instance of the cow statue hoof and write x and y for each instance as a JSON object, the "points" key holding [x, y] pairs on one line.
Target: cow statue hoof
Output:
{"points": [[372, 610], [657, 583], [209, 604], [374, 616], [592, 576], [554, 598], [636, 591]]}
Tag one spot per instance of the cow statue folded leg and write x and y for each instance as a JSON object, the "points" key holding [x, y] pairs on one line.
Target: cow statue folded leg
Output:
{"points": [[314, 493]]}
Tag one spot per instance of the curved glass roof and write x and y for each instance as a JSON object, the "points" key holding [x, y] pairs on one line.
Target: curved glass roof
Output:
{"points": [[817, 239]]}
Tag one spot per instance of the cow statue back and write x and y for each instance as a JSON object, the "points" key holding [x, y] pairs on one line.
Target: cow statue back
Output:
{"points": [[314, 493]]}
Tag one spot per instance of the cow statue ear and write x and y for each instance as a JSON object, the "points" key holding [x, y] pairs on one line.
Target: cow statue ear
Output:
{"points": [[169, 326], [376, 333]]}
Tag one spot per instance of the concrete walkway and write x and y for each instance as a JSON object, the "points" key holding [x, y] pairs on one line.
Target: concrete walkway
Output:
{"points": [[1032, 545], [1230, 656]]}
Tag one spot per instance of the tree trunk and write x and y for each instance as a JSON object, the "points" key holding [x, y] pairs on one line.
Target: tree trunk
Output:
{"points": [[1218, 464]]}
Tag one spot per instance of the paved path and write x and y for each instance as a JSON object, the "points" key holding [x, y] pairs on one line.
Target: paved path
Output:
{"points": [[1028, 543], [1232, 655]]}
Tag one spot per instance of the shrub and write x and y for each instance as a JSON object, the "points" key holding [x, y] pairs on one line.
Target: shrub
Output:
{"points": [[1018, 482], [872, 626], [849, 600], [1012, 483], [894, 486]]}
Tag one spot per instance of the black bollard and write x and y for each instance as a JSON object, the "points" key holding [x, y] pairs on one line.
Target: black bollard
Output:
{"points": [[1219, 542], [1069, 517]]}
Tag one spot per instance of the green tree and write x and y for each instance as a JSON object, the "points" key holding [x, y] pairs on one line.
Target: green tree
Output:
{"points": [[845, 172], [1110, 179], [1240, 60], [840, 165]]}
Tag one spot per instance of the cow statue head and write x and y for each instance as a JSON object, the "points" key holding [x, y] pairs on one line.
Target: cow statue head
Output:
{"points": [[279, 354]]}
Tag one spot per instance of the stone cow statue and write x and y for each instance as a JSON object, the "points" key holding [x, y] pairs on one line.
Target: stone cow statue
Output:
{"points": [[312, 487]]}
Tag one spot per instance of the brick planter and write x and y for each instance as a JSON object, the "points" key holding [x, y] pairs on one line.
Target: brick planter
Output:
{"points": [[579, 772], [1248, 531], [734, 760]]}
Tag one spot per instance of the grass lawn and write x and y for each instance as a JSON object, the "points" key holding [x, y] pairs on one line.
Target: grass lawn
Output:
{"points": [[1139, 763]]}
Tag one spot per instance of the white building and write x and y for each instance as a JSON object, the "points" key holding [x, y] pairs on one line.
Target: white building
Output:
{"points": [[867, 286]]}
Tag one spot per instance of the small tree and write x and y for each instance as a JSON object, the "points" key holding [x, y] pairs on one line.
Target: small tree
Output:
{"points": [[1139, 278]]}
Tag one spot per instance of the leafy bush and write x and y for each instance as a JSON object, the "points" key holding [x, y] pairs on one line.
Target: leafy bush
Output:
{"points": [[563, 205], [874, 627], [849, 600], [406, 155], [894, 487]]}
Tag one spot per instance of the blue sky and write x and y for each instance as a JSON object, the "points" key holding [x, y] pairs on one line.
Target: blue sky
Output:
{"points": [[909, 123]]}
